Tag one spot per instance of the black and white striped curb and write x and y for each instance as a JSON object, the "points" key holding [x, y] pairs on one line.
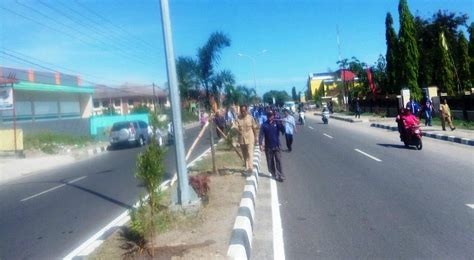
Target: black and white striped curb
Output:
{"points": [[240, 246], [444, 137], [96, 150], [347, 119]]}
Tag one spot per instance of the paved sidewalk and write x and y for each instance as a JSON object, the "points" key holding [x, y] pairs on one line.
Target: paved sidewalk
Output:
{"points": [[462, 136]]}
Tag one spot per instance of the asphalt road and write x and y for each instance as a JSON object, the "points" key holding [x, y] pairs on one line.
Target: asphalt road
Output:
{"points": [[389, 203], [47, 215]]}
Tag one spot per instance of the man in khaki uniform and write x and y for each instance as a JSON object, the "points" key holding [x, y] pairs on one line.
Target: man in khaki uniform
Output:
{"points": [[247, 128], [445, 114]]}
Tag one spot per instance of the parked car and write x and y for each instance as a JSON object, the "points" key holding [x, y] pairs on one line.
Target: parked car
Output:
{"points": [[129, 133]]}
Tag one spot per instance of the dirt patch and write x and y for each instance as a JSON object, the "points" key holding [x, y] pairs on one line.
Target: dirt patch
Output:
{"points": [[202, 236]]}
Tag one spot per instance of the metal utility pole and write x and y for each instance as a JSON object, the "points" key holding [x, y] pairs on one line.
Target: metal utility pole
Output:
{"points": [[343, 69], [154, 99], [184, 192]]}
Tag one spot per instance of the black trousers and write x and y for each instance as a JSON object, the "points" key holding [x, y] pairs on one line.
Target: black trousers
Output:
{"points": [[274, 161], [289, 141]]}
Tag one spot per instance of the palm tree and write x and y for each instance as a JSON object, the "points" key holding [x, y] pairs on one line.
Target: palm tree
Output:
{"points": [[187, 71], [209, 57], [220, 82]]}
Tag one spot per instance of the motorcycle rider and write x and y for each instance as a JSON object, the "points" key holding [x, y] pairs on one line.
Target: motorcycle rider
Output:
{"points": [[326, 112], [301, 118], [406, 120]]}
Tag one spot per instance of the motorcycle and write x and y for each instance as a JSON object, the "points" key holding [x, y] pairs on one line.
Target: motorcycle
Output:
{"points": [[412, 136], [301, 118], [325, 117]]}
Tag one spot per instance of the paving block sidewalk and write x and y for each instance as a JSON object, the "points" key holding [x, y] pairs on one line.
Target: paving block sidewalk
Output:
{"points": [[462, 136]]}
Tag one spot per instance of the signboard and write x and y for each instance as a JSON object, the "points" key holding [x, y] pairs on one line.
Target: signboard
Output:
{"points": [[6, 98]]}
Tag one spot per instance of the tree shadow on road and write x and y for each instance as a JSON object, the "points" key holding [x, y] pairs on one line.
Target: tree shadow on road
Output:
{"points": [[100, 195]]}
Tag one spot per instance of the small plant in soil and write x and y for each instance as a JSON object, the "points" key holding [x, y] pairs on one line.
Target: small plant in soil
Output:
{"points": [[150, 171], [200, 184]]}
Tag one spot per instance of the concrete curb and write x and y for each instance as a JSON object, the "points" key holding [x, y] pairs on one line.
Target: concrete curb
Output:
{"points": [[240, 245], [443, 137], [98, 238], [350, 120], [96, 150]]}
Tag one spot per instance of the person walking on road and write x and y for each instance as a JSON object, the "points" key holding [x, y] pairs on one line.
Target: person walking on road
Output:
{"points": [[269, 141], [220, 124], [357, 109], [428, 109], [247, 128], [445, 114], [290, 129]]}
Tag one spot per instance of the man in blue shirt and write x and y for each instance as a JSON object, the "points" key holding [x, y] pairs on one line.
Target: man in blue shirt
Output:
{"points": [[290, 128], [269, 140], [413, 106]]}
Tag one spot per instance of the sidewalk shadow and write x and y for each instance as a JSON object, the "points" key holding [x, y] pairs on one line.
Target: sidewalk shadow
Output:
{"points": [[399, 146]]}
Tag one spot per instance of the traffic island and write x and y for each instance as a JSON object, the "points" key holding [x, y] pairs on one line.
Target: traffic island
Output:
{"points": [[203, 235]]}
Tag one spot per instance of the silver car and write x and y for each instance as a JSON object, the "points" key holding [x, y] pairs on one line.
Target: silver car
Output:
{"points": [[129, 133]]}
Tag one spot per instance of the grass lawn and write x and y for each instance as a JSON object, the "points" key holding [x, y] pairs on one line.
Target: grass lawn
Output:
{"points": [[226, 159], [50, 143]]}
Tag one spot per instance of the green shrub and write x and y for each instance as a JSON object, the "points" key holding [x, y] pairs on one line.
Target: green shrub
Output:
{"points": [[150, 171]]}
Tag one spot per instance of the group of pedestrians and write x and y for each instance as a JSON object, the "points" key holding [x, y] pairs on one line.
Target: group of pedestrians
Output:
{"points": [[272, 125], [427, 110]]}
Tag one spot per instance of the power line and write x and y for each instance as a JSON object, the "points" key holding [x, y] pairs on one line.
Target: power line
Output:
{"points": [[112, 24], [83, 25], [10, 56], [62, 31], [91, 26], [57, 66], [98, 27]]}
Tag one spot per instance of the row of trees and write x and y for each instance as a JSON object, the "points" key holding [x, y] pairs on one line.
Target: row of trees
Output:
{"points": [[428, 51], [425, 52], [199, 79]]}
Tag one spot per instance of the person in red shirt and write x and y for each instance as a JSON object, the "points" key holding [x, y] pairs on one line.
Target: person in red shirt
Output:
{"points": [[410, 119]]}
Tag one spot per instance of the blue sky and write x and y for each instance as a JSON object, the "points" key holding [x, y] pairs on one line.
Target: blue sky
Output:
{"points": [[123, 43]]}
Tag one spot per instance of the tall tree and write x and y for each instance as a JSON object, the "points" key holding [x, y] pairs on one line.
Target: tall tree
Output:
{"points": [[391, 56], [280, 97], [220, 82], [408, 55], [380, 75], [188, 80], [471, 50], [464, 72], [209, 57], [294, 96], [445, 70], [427, 43]]}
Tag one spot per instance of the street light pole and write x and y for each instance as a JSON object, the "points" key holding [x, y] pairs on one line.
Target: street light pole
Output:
{"points": [[253, 67], [184, 192]]}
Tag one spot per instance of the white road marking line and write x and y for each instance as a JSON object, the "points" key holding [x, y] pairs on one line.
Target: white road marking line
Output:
{"points": [[278, 245], [328, 136], [53, 188], [368, 155], [93, 242], [470, 206], [310, 127]]}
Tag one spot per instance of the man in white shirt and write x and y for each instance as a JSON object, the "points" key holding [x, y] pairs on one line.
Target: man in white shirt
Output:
{"points": [[290, 128]]}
